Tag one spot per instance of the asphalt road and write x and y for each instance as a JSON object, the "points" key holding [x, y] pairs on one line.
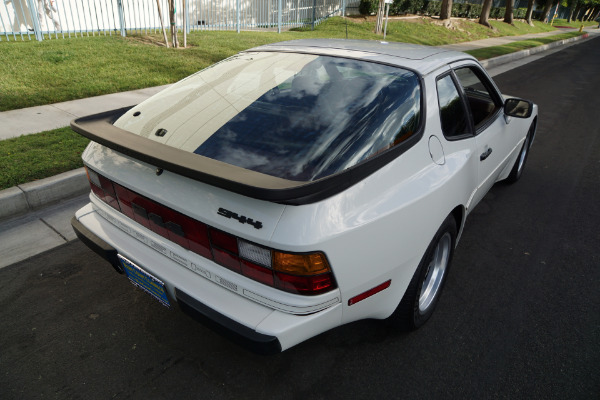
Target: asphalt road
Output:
{"points": [[519, 317]]}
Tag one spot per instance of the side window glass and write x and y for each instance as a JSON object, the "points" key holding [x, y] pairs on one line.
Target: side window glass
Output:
{"points": [[480, 100], [452, 111]]}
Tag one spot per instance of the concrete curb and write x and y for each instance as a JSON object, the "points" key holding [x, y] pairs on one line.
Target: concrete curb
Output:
{"points": [[497, 61], [32, 196]]}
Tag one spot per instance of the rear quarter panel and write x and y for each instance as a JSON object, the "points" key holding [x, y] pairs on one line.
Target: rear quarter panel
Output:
{"points": [[380, 228]]}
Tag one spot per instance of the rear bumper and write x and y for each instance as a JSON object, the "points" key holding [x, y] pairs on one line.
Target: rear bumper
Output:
{"points": [[254, 325], [236, 332], [97, 245]]}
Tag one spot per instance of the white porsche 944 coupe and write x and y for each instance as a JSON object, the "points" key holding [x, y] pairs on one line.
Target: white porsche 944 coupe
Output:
{"points": [[302, 185]]}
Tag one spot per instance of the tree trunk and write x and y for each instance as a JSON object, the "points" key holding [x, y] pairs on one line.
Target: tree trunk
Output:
{"points": [[576, 12], [584, 15], [529, 12], [546, 10], [446, 11], [508, 14], [590, 15], [162, 25], [173, 27], [380, 13], [570, 16], [485, 13]]}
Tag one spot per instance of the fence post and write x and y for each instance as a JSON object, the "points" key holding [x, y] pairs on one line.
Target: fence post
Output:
{"points": [[238, 15], [279, 16], [187, 16], [36, 22], [314, 15], [121, 18]]}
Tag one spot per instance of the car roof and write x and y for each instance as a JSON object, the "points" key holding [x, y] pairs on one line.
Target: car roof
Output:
{"points": [[419, 58]]}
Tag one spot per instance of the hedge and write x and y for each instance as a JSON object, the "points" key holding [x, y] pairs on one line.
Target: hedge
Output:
{"points": [[462, 10]]}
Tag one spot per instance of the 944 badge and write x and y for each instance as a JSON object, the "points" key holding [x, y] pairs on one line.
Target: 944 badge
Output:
{"points": [[241, 219]]}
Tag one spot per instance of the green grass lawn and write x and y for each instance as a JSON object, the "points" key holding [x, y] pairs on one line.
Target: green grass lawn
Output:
{"points": [[573, 24], [32, 157], [495, 51], [36, 73]]}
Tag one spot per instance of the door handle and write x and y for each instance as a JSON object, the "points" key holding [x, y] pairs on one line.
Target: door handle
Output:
{"points": [[485, 154]]}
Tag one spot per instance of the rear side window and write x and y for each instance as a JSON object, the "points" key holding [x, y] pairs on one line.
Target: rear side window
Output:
{"points": [[453, 115], [304, 117]]}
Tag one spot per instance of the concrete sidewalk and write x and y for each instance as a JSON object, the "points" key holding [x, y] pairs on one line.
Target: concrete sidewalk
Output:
{"points": [[34, 217], [499, 41], [30, 120]]}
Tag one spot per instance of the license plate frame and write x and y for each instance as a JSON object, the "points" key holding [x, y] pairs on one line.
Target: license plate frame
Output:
{"points": [[145, 281]]}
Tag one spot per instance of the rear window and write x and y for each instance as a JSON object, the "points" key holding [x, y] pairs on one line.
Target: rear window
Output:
{"points": [[304, 117]]}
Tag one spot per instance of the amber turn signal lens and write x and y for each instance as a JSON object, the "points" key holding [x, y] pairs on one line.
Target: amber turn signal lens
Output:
{"points": [[300, 264]]}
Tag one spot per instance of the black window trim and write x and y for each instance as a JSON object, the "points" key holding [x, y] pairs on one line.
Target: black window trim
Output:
{"points": [[492, 89], [466, 107]]}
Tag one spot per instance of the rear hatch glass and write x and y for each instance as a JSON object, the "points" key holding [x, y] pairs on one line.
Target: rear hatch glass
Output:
{"points": [[299, 117]]}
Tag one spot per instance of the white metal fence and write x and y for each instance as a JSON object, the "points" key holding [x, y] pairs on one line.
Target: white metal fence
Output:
{"points": [[50, 19]]}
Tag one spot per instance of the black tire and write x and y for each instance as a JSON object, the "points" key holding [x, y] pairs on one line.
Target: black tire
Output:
{"points": [[517, 169], [419, 300]]}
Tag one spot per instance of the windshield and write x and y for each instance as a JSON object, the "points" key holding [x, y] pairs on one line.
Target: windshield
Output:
{"points": [[297, 116]]}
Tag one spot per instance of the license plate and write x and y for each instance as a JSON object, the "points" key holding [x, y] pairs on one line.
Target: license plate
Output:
{"points": [[145, 281]]}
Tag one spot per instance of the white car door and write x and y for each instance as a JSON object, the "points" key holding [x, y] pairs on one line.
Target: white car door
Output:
{"points": [[492, 134]]}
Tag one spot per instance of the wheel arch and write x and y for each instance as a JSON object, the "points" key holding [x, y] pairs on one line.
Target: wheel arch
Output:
{"points": [[459, 213]]}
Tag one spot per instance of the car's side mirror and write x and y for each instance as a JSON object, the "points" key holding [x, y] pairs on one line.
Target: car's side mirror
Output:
{"points": [[518, 108]]}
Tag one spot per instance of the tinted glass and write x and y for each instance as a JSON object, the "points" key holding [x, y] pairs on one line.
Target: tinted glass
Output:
{"points": [[452, 111], [480, 100], [320, 116]]}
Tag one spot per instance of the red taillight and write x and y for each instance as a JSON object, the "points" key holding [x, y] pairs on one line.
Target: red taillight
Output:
{"points": [[197, 235], [258, 273], [304, 284], [306, 274], [224, 241], [227, 260]]}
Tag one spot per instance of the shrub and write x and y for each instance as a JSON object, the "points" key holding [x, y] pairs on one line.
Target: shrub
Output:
{"points": [[474, 11], [368, 7], [462, 10], [413, 6], [497, 12], [520, 13], [433, 8]]}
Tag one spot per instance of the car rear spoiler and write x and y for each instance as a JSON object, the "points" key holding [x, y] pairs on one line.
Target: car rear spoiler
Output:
{"points": [[100, 128]]}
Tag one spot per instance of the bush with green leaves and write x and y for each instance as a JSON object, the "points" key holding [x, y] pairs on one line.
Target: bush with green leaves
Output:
{"points": [[412, 6], [462, 10], [474, 11], [368, 7], [433, 8], [520, 13], [497, 12]]}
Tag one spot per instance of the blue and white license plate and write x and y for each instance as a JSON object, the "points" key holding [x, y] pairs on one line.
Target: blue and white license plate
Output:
{"points": [[145, 281]]}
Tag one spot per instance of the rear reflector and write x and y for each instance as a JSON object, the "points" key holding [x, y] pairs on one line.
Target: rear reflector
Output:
{"points": [[370, 292], [306, 274]]}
